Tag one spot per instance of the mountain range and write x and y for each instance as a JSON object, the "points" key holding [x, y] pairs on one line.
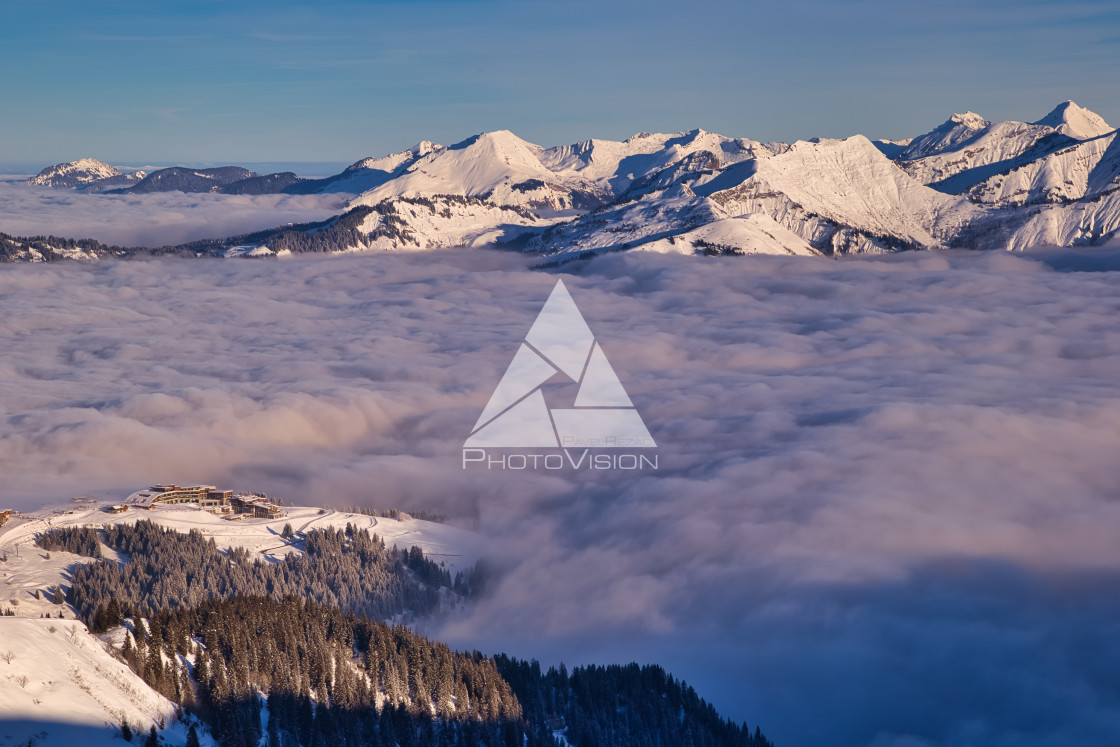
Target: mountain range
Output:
{"points": [[967, 183]]}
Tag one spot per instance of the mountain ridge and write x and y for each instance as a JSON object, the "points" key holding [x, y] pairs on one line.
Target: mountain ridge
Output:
{"points": [[235, 666], [967, 183]]}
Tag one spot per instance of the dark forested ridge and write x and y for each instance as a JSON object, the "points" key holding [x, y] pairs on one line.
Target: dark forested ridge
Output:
{"points": [[328, 678], [346, 568], [332, 235], [621, 706], [227, 636]]}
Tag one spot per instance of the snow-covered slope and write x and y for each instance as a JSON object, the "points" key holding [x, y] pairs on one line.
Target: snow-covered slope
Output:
{"points": [[59, 685], [1085, 169], [845, 195], [73, 174], [368, 173], [746, 234], [419, 223], [631, 224], [22, 574], [1087, 222], [993, 148]]}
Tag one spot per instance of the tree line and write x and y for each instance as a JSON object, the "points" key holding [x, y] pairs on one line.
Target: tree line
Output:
{"points": [[345, 568], [328, 678], [621, 706], [224, 636], [325, 677]]}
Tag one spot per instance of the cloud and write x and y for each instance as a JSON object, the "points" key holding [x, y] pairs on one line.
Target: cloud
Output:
{"points": [[886, 510], [161, 219]]}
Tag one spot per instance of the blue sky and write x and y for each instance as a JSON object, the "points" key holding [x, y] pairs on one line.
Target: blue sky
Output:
{"points": [[336, 80]]}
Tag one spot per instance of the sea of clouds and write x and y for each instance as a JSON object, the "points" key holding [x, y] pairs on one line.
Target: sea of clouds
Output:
{"points": [[151, 220], [889, 497]]}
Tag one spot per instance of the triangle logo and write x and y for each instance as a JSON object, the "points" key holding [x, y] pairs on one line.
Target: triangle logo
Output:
{"points": [[560, 344]]}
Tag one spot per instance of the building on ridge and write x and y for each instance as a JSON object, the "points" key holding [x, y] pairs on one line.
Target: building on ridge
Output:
{"points": [[207, 497]]}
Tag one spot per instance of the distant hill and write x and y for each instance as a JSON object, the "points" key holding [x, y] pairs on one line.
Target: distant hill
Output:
{"points": [[179, 179], [83, 174]]}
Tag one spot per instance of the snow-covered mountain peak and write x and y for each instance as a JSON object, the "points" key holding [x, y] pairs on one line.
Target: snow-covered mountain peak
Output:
{"points": [[951, 134], [969, 119], [91, 164], [508, 144], [1075, 121], [497, 166], [73, 174]]}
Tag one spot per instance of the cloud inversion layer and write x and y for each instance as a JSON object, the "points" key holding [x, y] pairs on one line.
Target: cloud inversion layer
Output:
{"points": [[886, 511], [152, 220]]}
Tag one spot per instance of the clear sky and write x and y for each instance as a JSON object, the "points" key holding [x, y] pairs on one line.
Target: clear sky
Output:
{"points": [[335, 80]]}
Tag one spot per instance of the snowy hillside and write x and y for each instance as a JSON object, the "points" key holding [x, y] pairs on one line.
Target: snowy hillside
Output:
{"points": [[59, 685], [368, 173], [1085, 169], [846, 196], [21, 575], [744, 234]]}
